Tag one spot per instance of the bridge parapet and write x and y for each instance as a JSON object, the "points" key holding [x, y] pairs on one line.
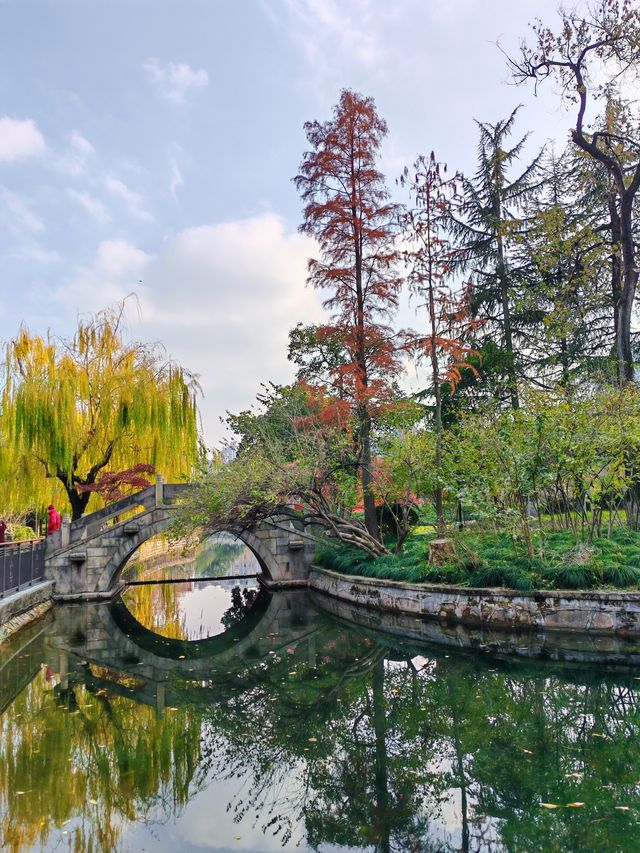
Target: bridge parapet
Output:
{"points": [[160, 494]]}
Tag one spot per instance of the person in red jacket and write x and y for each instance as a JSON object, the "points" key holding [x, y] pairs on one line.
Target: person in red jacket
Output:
{"points": [[3, 531], [54, 519]]}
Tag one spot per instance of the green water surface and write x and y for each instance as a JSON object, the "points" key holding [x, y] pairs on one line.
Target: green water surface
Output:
{"points": [[195, 718]]}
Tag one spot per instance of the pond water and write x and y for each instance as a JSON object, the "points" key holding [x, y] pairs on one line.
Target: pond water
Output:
{"points": [[212, 716]]}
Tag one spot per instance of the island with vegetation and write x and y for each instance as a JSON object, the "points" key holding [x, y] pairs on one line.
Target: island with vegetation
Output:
{"points": [[516, 466]]}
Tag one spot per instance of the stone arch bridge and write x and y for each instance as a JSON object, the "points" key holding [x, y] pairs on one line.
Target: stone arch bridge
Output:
{"points": [[86, 557]]}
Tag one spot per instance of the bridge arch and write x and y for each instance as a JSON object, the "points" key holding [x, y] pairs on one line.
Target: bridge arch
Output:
{"points": [[158, 521]]}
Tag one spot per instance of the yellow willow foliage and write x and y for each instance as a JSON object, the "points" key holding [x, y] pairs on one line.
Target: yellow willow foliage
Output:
{"points": [[68, 405]]}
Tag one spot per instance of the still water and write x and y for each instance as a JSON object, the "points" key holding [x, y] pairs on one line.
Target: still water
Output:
{"points": [[212, 716]]}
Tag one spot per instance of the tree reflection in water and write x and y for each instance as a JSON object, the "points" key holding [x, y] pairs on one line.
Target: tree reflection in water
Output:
{"points": [[82, 763], [339, 739]]}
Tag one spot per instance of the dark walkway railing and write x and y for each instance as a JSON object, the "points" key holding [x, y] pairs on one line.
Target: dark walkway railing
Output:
{"points": [[21, 565]]}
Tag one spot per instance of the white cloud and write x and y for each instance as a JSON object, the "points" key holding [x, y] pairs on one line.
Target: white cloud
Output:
{"points": [[222, 298], [120, 261], [40, 255], [133, 200], [92, 205], [113, 274], [74, 161], [175, 80], [176, 178], [18, 215], [19, 138], [333, 35]]}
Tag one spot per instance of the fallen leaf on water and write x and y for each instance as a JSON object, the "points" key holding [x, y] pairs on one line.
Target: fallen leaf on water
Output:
{"points": [[549, 806]]}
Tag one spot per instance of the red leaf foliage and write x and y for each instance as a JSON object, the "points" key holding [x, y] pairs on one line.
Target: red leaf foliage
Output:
{"points": [[114, 485]]}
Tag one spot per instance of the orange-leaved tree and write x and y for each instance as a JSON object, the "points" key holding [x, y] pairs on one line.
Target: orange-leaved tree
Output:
{"points": [[348, 211]]}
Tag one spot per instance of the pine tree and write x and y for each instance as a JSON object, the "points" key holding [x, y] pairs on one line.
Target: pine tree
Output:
{"points": [[487, 230]]}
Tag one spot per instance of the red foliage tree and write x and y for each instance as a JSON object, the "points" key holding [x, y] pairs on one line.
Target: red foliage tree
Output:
{"points": [[347, 210]]}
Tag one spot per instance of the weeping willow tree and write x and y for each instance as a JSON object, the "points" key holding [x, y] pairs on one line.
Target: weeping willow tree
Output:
{"points": [[73, 410]]}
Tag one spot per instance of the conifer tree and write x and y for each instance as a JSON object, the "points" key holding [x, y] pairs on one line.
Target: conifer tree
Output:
{"points": [[564, 255], [487, 229]]}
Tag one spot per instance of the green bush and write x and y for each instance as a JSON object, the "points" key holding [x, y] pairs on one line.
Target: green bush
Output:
{"points": [[21, 533]]}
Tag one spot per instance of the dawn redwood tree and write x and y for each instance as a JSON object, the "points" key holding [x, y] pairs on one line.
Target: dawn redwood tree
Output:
{"points": [[593, 53], [347, 210], [430, 259], [73, 410]]}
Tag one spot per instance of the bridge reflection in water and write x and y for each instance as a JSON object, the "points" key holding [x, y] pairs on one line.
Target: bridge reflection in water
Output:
{"points": [[104, 647], [298, 730]]}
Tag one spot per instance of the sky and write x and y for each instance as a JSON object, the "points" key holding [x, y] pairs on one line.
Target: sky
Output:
{"points": [[148, 146]]}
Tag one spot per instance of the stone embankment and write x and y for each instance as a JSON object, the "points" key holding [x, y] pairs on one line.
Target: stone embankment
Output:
{"points": [[24, 607], [587, 612]]}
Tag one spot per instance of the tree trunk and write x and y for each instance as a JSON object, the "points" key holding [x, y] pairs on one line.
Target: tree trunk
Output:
{"points": [[629, 284], [616, 260], [78, 500], [370, 515], [439, 500], [506, 312]]}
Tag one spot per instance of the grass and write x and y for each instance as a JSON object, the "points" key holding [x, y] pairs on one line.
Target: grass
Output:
{"points": [[491, 559]]}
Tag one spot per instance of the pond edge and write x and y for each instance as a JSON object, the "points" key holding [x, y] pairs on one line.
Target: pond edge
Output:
{"points": [[581, 611]]}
